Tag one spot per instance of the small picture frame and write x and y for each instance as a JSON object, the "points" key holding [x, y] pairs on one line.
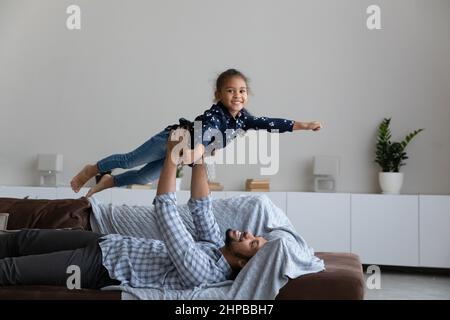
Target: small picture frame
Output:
{"points": [[4, 221]]}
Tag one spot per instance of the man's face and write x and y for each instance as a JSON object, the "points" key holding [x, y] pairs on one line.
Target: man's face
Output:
{"points": [[244, 243]]}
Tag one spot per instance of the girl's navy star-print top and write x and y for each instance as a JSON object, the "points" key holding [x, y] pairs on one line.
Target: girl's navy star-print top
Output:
{"points": [[218, 121]]}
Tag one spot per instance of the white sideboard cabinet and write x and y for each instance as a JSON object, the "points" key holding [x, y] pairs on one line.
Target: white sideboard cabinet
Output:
{"points": [[400, 230], [434, 219], [28, 192], [385, 229], [323, 219], [67, 193]]}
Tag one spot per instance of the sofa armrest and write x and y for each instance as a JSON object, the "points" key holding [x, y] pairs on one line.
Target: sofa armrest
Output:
{"points": [[47, 214]]}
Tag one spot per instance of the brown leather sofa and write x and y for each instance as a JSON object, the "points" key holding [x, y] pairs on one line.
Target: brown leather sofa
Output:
{"points": [[342, 279]]}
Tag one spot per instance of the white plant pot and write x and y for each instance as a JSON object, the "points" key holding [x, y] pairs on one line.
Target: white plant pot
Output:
{"points": [[178, 184], [390, 182]]}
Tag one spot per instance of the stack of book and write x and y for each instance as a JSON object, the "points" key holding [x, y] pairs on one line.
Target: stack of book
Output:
{"points": [[261, 185]]}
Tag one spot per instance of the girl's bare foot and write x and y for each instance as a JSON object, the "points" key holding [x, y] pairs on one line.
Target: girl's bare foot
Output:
{"points": [[105, 182], [83, 176]]}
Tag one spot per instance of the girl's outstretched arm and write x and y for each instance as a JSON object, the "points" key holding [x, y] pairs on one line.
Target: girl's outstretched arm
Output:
{"points": [[282, 125], [314, 125]]}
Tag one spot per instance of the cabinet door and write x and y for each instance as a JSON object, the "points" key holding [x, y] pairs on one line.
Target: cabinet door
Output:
{"points": [[219, 194], [385, 229], [322, 219], [435, 231], [132, 197], [30, 192], [67, 193], [278, 198]]}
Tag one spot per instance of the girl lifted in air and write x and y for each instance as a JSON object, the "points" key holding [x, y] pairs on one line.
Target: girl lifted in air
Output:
{"points": [[228, 114]]}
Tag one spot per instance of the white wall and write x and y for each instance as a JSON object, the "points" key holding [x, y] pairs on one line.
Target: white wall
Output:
{"points": [[136, 66]]}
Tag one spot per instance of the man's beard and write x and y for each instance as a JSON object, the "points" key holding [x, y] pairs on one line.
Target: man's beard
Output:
{"points": [[228, 238]]}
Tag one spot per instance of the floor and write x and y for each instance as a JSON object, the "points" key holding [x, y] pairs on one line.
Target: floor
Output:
{"points": [[398, 285]]}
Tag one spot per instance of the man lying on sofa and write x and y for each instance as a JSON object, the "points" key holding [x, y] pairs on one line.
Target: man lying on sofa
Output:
{"points": [[42, 257]]}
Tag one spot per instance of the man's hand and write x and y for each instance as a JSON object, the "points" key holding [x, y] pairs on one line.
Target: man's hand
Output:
{"points": [[167, 177], [195, 155], [177, 145], [179, 150]]}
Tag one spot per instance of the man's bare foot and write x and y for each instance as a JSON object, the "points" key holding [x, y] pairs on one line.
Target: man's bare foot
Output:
{"points": [[83, 176], [105, 182]]}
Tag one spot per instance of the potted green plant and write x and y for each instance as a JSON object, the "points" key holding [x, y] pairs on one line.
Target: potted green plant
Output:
{"points": [[179, 175], [390, 157]]}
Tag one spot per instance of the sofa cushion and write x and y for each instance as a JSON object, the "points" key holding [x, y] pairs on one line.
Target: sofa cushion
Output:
{"points": [[342, 279], [46, 214]]}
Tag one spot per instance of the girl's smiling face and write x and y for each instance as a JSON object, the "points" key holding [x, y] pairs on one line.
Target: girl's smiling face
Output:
{"points": [[233, 94]]}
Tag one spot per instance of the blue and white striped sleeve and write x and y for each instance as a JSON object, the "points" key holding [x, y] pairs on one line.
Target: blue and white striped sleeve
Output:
{"points": [[193, 265], [204, 220]]}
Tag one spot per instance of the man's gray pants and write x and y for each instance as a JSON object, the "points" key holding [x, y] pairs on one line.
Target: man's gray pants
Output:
{"points": [[42, 257]]}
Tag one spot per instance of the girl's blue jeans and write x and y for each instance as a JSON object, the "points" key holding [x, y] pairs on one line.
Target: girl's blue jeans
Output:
{"points": [[152, 153]]}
